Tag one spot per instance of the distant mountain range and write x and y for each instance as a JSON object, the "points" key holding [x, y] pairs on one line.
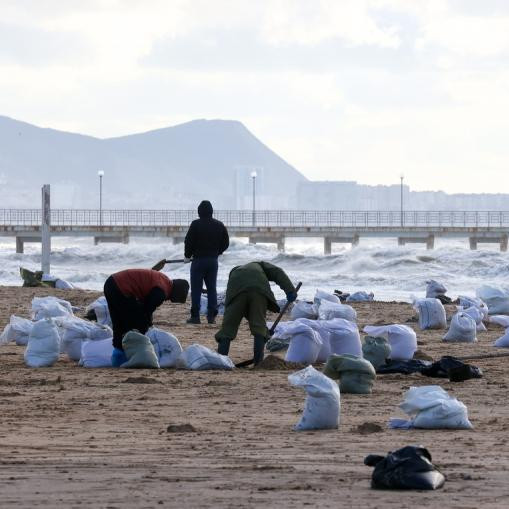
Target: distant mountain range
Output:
{"points": [[173, 167]]}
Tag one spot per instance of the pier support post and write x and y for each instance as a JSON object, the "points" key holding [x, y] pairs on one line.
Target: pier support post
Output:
{"points": [[430, 242], [281, 244], [327, 246], [473, 243], [355, 241], [503, 243], [19, 245], [401, 241], [45, 229]]}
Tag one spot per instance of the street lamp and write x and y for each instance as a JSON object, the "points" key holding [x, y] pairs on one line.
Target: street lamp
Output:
{"points": [[100, 173], [253, 176], [401, 198]]}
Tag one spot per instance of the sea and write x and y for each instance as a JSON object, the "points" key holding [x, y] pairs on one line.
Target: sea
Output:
{"points": [[380, 266]]}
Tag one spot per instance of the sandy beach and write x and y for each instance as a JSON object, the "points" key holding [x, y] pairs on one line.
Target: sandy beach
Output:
{"points": [[75, 437]]}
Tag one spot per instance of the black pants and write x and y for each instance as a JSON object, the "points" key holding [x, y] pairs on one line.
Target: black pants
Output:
{"points": [[204, 270], [127, 313]]}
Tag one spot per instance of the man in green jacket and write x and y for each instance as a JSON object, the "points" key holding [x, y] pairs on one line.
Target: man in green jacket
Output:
{"points": [[248, 295]]}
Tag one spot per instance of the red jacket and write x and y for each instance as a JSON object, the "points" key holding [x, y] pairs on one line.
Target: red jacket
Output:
{"points": [[139, 282]]}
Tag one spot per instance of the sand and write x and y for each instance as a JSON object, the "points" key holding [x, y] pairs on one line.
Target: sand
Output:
{"points": [[75, 437]]}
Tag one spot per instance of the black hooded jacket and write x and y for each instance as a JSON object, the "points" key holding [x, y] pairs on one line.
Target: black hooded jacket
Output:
{"points": [[206, 236]]}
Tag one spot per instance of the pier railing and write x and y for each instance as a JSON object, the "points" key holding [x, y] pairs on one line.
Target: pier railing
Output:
{"points": [[261, 218]]}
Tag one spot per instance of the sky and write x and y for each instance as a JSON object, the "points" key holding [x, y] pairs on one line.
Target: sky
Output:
{"points": [[364, 90]]}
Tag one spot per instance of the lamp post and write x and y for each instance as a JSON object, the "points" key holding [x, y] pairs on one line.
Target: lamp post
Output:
{"points": [[401, 198], [100, 173], [253, 176]]}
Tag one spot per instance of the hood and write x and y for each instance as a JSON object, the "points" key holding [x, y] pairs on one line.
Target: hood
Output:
{"points": [[205, 209]]}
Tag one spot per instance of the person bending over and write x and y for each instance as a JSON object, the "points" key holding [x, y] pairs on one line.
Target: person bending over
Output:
{"points": [[248, 295], [132, 296], [205, 240]]}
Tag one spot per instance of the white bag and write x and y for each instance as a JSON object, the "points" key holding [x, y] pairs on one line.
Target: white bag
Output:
{"points": [[76, 330], [402, 339], [96, 354], [430, 407], [476, 314], [322, 407], [18, 329], [49, 307], [100, 307], [462, 328], [43, 346], [466, 302], [320, 296], [323, 333], [344, 337], [360, 297], [166, 346], [305, 343], [431, 313], [502, 320], [199, 357], [329, 310], [434, 289], [503, 342], [62, 284], [496, 298], [303, 309]]}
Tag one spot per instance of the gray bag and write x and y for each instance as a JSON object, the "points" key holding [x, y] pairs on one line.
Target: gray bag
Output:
{"points": [[139, 351], [376, 350], [356, 375]]}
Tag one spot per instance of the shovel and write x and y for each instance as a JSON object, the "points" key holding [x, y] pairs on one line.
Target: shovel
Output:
{"points": [[244, 364], [159, 265]]}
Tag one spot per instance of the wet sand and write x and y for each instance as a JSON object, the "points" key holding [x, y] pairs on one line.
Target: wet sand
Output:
{"points": [[75, 437]]}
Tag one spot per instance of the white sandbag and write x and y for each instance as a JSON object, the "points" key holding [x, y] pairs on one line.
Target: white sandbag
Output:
{"points": [[100, 308], [43, 345], [322, 406], [475, 313], [496, 298], [18, 330], [323, 333], [96, 354], [503, 342], [305, 343], [434, 289], [360, 297], [303, 309], [166, 346], [462, 329], [466, 302], [76, 330], [320, 296], [344, 337], [198, 357], [62, 284], [431, 314], [502, 320], [402, 339], [329, 310], [221, 296], [430, 407], [49, 307]]}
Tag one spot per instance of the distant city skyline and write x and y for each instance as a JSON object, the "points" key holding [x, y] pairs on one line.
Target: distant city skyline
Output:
{"points": [[362, 90]]}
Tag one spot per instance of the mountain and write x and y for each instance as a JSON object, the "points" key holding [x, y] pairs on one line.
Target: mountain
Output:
{"points": [[173, 167]]}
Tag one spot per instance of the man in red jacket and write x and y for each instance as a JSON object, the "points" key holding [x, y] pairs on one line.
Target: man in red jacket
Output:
{"points": [[132, 296]]}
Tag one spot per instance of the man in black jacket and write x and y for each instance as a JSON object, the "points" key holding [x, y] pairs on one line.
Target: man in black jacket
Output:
{"points": [[206, 239]]}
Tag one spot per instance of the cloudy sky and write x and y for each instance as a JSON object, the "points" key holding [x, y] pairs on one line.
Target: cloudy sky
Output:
{"points": [[361, 90]]}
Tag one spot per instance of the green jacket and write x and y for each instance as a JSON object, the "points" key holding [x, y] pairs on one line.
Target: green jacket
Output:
{"points": [[256, 276]]}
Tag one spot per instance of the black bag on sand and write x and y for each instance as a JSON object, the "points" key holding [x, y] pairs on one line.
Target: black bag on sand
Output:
{"points": [[409, 468], [452, 368]]}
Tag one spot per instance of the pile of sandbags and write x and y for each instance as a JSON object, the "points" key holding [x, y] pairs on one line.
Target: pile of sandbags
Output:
{"points": [[322, 406], [198, 357], [356, 375], [76, 330], [50, 307], [496, 298], [467, 302], [462, 329], [431, 313], [43, 347], [17, 330], [402, 339]]}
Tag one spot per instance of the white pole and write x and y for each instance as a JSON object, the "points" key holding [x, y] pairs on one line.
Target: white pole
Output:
{"points": [[45, 229]]}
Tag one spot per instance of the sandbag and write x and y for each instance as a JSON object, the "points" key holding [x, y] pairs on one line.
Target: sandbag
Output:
{"points": [[303, 309], [344, 337], [431, 314], [43, 346], [18, 330], [96, 354], [503, 342], [305, 343], [376, 350], [402, 339], [434, 289], [62, 284], [330, 310], [139, 351], [322, 406], [49, 307], [199, 358], [466, 302], [320, 296], [360, 297], [462, 329], [356, 375], [496, 298], [475, 313], [166, 346], [502, 320], [100, 309], [76, 330], [408, 468], [430, 407]]}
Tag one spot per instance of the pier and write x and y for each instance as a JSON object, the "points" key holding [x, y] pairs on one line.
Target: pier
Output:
{"points": [[265, 226]]}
